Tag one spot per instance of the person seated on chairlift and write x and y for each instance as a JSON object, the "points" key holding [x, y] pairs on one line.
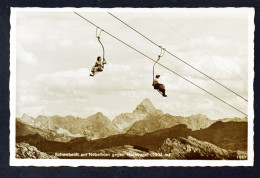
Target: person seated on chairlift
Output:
{"points": [[159, 86], [98, 67]]}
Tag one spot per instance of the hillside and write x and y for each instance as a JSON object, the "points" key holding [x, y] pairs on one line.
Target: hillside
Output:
{"points": [[192, 149], [154, 123], [226, 135], [24, 150]]}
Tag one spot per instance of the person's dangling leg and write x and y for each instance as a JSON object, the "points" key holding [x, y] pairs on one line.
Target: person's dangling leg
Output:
{"points": [[163, 92], [93, 70], [162, 89]]}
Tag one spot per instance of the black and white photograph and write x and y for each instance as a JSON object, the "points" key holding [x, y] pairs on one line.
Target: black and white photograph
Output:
{"points": [[131, 86]]}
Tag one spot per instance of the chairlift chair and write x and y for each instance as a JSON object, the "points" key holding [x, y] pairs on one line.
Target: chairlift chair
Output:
{"points": [[158, 86]]}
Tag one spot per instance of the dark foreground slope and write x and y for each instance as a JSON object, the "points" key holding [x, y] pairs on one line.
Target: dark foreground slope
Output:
{"points": [[191, 148], [180, 148], [229, 135], [26, 151]]}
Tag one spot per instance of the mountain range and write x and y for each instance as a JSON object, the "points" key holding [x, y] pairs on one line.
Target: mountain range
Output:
{"points": [[144, 129], [64, 129], [144, 119]]}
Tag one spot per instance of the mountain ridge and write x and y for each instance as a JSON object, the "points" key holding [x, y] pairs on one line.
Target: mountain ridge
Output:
{"points": [[145, 118], [150, 124], [93, 127]]}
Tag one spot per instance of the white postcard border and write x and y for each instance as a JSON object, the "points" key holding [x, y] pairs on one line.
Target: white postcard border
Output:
{"points": [[131, 163]]}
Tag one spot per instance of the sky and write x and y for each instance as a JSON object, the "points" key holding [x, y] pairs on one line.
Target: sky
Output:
{"points": [[55, 52]]}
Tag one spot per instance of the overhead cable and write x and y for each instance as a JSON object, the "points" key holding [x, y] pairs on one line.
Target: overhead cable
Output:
{"points": [[188, 41], [160, 64], [180, 59]]}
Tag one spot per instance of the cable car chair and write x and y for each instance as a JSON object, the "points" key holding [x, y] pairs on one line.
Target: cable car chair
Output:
{"points": [[99, 64], [98, 37], [158, 86]]}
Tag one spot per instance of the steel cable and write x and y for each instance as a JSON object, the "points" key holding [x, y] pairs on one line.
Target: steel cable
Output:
{"points": [[180, 59], [161, 65]]}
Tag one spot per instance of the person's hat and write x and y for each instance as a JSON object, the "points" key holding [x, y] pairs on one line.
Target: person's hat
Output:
{"points": [[157, 76]]}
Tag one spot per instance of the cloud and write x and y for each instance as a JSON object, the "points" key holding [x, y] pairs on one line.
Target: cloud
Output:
{"points": [[65, 43], [62, 57], [74, 88], [114, 78], [25, 56], [75, 92]]}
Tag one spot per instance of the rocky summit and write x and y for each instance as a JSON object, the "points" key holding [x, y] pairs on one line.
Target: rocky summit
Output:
{"points": [[191, 148], [144, 109], [198, 121], [98, 126], [145, 106], [27, 119], [24, 150]]}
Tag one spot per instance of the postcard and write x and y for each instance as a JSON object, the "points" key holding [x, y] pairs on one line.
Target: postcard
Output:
{"points": [[131, 87]]}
